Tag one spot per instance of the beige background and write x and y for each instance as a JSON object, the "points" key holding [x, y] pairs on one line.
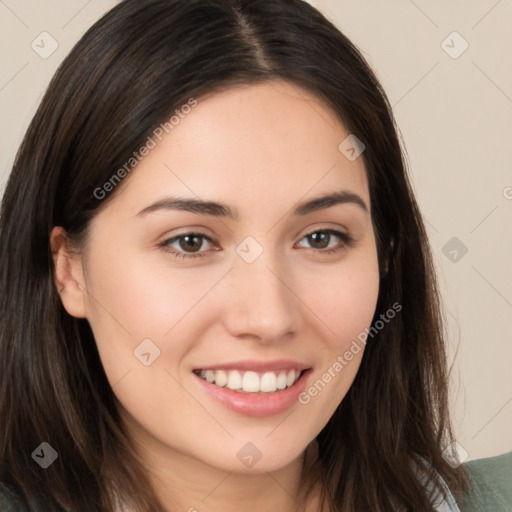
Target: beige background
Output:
{"points": [[455, 115]]}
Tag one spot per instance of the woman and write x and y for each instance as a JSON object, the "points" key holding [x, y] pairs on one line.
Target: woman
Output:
{"points": [[218, 290]]}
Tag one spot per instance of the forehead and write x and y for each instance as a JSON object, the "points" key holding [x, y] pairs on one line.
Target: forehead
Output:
{"points": [[272, 140]]}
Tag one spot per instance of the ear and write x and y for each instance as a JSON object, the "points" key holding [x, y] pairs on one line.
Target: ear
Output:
{"points": [[68, 274]]}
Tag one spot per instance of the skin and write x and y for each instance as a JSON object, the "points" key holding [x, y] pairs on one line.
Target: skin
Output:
{"points": [[260, 149]]}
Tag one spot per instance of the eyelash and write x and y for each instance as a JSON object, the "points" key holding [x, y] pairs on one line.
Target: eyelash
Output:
{"points": [[346, 241]]}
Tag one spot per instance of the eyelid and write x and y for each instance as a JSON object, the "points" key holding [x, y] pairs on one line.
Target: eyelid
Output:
{"points": [[322, 227]]}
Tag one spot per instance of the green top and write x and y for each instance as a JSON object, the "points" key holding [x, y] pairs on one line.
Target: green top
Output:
{"points": [[491, 485]]}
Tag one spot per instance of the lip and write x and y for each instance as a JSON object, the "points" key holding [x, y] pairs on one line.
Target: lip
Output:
{"points": [[258, 366], [254, 404]]}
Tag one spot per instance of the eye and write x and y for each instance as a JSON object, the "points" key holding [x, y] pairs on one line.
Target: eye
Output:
{"points": [[189, 245], [186, 242], [321, 240]]}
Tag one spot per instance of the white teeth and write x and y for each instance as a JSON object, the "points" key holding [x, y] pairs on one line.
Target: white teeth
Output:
{"points": [[234, 380], [281, 380], [221, 378], [268, 382], [251, 382]]}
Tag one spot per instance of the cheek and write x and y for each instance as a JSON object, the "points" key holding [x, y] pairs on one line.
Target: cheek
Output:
{"points": [[131, 302], [345, 297], [134, 296]]}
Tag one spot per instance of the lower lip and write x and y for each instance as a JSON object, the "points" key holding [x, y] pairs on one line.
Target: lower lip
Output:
{"points": [[256, 404]]}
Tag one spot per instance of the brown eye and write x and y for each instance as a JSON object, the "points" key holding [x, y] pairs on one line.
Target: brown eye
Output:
{"points": [[193, 242], [319, 240], [322, 238], [188, 245]]}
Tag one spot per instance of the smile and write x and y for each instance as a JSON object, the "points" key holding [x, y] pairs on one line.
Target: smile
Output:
{"points": [[254, 388], [250, 381]]}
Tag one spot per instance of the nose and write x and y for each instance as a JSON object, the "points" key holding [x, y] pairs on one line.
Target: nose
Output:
{"points": [[261, 303]]}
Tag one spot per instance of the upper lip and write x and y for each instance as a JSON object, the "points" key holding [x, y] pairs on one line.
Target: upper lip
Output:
{"points": [[258, 366]]}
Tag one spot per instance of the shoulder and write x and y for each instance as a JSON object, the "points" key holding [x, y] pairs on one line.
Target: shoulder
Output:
{"points": [[437, 489], [490, 485]]}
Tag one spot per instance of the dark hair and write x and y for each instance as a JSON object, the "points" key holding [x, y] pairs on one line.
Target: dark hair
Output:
{"points": [[127, 74]]}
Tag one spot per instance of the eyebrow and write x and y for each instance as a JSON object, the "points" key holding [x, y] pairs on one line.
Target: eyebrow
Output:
{"points": [[220, 210]]}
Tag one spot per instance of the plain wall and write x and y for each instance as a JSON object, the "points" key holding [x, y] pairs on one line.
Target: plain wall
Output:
{"points": [[455, 116]]}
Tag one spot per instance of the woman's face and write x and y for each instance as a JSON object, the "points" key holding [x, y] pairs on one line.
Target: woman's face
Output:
{"points": [[254, 297]]}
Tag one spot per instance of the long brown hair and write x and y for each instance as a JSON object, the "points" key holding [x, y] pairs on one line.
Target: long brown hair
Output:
{"points": [[127, 74]]}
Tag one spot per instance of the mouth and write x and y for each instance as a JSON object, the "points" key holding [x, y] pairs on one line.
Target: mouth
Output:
{"points": [[251, 381], [253, 388]]}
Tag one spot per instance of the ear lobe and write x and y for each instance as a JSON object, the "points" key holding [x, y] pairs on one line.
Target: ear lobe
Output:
{"points": [[68, 274]]}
